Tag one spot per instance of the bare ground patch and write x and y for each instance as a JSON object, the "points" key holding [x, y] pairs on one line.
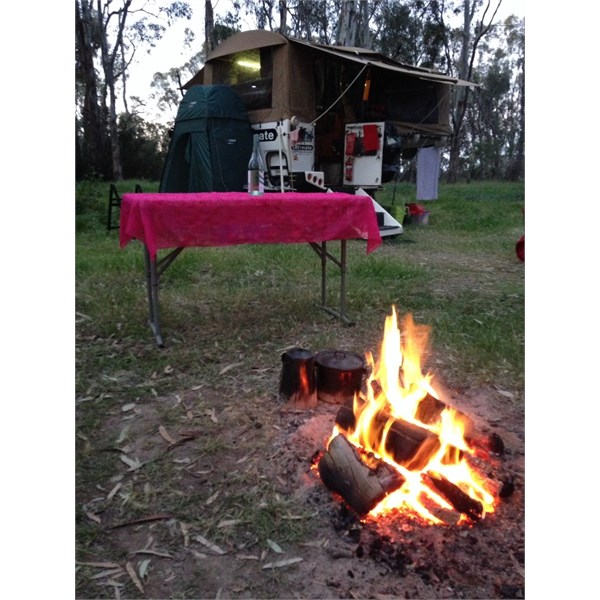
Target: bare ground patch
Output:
{"points": [[209, 495]]}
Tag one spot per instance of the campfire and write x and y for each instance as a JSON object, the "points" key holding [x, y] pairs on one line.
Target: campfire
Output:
{"points": [[400, 447]]}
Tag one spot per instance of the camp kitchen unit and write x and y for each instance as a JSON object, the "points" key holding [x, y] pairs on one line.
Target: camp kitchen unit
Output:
{"points": [[331, 117]]}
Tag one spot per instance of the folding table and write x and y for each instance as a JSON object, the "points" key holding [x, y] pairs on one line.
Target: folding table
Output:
{"points": [[174, 221]]}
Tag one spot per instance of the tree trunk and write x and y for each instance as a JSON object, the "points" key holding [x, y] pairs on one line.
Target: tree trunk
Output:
{"points": [[460, 92], [209, 28], [115, 146], [517, 167], [347, 25], [93, 142], [108, 57], [468, 49], [283, 17], [364, 38]]}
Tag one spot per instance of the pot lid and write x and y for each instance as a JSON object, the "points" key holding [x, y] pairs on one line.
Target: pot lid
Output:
{"points": [[299, 353], [340, 359]]}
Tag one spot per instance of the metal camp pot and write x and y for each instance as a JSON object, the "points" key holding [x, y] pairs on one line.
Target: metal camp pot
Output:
{"points": [[340, 375], [297, 382]]}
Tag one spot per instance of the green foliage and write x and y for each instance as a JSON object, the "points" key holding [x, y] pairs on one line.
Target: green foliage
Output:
{"points": [[92, 198], [143, 147]]}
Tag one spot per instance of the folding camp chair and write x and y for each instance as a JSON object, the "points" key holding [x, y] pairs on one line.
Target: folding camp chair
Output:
{"points": [[114, 200]]}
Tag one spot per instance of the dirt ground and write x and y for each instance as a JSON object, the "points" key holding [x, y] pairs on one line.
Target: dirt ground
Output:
{"points": [[311, 546]]}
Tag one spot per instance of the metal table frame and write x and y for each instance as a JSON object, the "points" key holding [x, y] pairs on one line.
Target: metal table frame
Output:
{"points": [[155, 269]]}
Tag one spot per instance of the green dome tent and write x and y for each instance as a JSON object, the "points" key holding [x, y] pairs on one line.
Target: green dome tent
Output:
{"points": [[211, 143]]}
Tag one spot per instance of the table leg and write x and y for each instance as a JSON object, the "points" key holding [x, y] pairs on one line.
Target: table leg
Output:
{"points": [[323, 273], [321, 250], [152, 281], [154, 269], [343, 280]]}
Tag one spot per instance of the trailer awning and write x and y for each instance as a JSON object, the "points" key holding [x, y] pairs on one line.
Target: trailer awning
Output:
{"points": [[374, 59]]}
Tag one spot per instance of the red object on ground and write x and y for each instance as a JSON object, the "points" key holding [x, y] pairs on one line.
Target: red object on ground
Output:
{"points": [[173, 220], [416, 209], [520, 248]]}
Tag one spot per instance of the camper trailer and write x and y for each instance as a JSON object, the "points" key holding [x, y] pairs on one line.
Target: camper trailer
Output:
{"points": [[330, 117]]}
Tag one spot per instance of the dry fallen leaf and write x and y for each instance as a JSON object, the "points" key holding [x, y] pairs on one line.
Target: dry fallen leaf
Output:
{"points": [[165, 434], [99, 565], [128, 407], [112, 492], [153, 552], [229, 367], [275, 546], [93, 517], [185, 530], [108, 573], [209, 545], [229, 523], [282, 563], [123, 435], [132, 463], [213, 498], [143, 568], [138, 584]]}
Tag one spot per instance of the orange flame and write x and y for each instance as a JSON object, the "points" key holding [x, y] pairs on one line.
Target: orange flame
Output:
{"points": [[394, 390], [304, 382]]}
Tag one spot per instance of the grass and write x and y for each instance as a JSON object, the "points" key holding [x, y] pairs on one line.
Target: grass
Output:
{"points": [[459, 274], [227, 315]]}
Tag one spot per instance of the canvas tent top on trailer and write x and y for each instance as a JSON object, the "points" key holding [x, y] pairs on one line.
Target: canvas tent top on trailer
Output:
{"points": [[330, 116], [278, 77]]}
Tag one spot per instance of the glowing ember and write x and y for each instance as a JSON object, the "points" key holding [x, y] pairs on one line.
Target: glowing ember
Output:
{"points": [[394, 391]]}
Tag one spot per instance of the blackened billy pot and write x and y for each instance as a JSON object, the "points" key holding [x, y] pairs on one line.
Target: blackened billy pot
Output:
{"points": [[297, 382], [340, 375]]}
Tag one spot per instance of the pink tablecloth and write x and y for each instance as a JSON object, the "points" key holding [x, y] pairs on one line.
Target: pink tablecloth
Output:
{"points": [[163, 221]]}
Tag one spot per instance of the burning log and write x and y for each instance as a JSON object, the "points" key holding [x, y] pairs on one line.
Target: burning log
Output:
{"points": [[410, 445], [430, 410], [486, 445], [343, 471], [462, 502]]}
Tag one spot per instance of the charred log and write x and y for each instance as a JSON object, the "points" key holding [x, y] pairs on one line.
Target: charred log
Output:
{"points": [[410, 445], [362, 487], [430, 411], [486, 445], [462, 502]]}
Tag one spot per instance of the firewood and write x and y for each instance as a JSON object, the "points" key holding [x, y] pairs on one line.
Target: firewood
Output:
{"points": [[486, 444], [410, 445], [343, 471], [430, 409], [462, 502]]}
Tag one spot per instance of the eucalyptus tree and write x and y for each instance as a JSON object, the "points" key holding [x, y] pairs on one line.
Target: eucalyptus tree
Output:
{"points": [[478, 20], [495, 120], [109, 33]]}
